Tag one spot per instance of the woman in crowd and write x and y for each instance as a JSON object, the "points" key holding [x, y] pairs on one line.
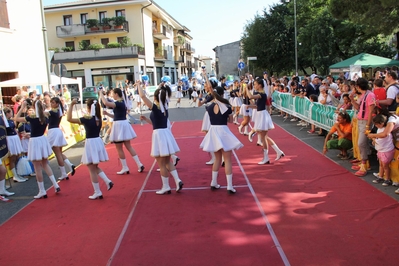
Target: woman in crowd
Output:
{"points": [[343, 129], [365, 107], [39, 147], [163, 142], [56, 137], [219, 140], [13, 144], [121, 132], [94, 151]]}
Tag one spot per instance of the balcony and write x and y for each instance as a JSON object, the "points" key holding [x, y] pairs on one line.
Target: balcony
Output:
{"points": [[179, 59], [81, 30], [161, 55], [102, 54], [161, 32]]}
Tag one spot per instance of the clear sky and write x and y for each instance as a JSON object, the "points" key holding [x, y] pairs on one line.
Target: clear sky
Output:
{"points": [[211, 22]]}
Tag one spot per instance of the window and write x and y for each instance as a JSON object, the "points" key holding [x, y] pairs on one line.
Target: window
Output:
{"points": [[70, 44], [83, 18], [120, 13], [102, 14], [4, 23], [104, 41], [119, 39], [67, 20]]}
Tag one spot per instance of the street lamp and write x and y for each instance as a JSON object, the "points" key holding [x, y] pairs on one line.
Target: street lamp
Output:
{"points": [[296, 42]]}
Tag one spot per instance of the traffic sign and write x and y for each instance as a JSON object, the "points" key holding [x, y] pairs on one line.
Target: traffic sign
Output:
{"points": [[241, 65], [252, 58]]}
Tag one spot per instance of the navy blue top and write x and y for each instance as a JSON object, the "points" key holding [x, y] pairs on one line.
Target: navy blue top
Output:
{"points": [[111, 101], [119, 111], [37, 128], [91, 127], [218, 119], [234, 93], [24, 127], [54, 119], [261, 102], [246, 100], [208, 98], [158, 119], [11, 128], [3, 139]]}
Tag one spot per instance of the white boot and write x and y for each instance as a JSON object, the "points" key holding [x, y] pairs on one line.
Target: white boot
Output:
{"points": [[246, 130], [64, 175], [104, 177], [239, 129], [175, 159], [212, 160], [279, 152], [3, 191], [16, 177], [97, 192], [42, 191], [214, 183], [125, 169], [251, 135], [230, 188], [265, 157], [139, 164], [165, 186], [179, 183]]}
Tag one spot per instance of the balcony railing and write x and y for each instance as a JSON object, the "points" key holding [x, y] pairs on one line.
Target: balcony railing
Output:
{"points": [[161, 55], [161, 32], [102, 54], [179, 59], [82, 29]]}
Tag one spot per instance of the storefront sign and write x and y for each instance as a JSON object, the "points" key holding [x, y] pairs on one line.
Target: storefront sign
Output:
{"points": [[110, 71]]}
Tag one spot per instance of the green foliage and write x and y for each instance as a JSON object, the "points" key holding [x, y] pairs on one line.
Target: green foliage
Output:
{"points": [[83, 45], [113, 45], [67, 49], [181, 39], [140, 46], [106, 22], [119, 20], [126, 42], [92, 23], [95, 46], [55, 49]]}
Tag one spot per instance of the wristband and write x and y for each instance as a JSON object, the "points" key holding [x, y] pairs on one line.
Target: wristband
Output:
{"points": [[200, 99]]}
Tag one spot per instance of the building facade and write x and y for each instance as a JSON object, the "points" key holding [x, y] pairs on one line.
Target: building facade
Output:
{"points": [[108, 42], [227, 57]]}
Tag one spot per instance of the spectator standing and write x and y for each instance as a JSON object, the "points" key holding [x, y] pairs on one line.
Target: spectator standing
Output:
{"points": [[392, 90]]}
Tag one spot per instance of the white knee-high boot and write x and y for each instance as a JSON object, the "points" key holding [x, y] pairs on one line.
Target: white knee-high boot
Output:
{"points": [[125, 169], [42, 191], [212, 159], [214, 183], [230, 187], [16, 177], [3, 190], [97, 192], [106, 180], [265, 157], [165, 186], [279, 152], [179, 183]]}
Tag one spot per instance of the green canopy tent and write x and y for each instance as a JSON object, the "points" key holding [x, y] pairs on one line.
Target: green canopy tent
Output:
{"points": [[366, 61]]}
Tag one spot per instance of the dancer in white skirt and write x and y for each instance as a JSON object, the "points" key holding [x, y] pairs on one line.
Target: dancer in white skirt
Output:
{"points": [[3, 153], [39, 148], [220, 140], [245, 111], [206, 123], [121, 132], [263, 121], [179, 93], [236, 101], [163, 142], [194, 94], [56, 137], [94, 151], [13, 144], [109, 119]]}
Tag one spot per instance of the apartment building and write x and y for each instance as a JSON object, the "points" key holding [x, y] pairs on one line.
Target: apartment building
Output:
{"points": [[22, 49], [109, 41]]}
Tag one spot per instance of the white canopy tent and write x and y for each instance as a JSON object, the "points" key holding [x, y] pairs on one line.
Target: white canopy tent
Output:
{"points": [[55, 80]]}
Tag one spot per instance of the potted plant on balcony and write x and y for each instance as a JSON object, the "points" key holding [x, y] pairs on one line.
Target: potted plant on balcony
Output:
{"points": [[119, 21], [106, 23], [92, 24]]}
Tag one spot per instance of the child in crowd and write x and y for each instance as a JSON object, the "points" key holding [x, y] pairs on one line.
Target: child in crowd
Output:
{"points": [[379, 90], [385, 149]]}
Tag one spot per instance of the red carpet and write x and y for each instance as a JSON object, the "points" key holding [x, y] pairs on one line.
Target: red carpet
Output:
{"points": [[319, 213]]}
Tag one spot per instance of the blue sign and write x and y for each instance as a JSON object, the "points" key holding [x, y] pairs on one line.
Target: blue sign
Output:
{"points": [[241, 65]]}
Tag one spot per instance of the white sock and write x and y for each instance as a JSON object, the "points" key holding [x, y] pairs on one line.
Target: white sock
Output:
{"points": [[96, 187], [52, 179], [137, 160], [175, 176], [68, 163], [63, 173], [214, 179], [229, 179], [104, 177]]}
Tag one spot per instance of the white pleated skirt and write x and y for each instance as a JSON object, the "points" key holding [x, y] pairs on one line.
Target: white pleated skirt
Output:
{"points": [[121, 131], [244, 111], [163, 143], [179, 94], [220, 137], [206, 122], [39, 148], [137, 98], [56, 137], [194, 94], [263, 121], [237, 102], [94, 151], [14, 145], [231, 101], [254, 114], [25, 145]]}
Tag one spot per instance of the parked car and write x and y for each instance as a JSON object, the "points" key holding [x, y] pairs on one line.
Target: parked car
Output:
{"points": [[90, 92]]}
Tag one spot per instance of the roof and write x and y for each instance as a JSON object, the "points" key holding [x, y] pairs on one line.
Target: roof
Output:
{"points": [[366, 61]]}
